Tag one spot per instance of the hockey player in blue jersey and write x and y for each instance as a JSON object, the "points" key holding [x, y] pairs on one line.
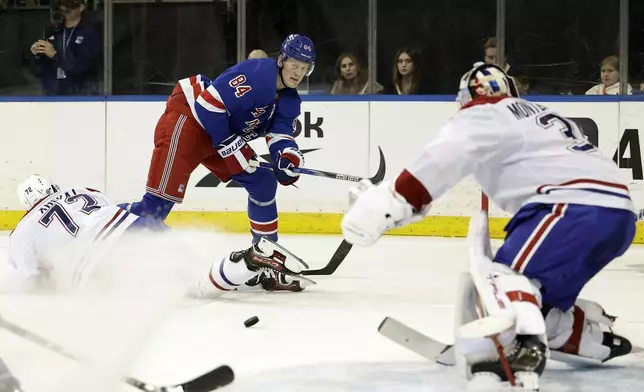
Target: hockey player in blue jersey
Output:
{"points": [[211, 122]]}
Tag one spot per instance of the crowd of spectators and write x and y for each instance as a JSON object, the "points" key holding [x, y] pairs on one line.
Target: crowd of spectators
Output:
{"points": [[60, 52]]}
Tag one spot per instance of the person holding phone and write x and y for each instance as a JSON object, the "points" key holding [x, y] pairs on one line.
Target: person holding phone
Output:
{"points": [[68, 59]]}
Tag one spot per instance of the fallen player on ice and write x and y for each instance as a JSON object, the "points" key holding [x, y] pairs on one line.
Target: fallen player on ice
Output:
{"points": [[68, 237]]}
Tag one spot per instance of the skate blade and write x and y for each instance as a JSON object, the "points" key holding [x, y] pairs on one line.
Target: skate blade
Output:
{"points": [[300, 277], [288, 253]]}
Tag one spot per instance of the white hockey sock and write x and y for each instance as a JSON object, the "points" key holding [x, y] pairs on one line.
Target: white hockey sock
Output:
{"points": [[227, 275], [224, 275]]}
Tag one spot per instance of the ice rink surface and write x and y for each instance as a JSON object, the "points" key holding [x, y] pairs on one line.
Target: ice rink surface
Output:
{"points": [[322, 340]]}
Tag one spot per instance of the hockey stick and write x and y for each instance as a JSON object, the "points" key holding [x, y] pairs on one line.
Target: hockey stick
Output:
{"points": [[428, 348], [333, 264], [212, 380], [441, 353], [436, 351], [379, 176], [343, 250]]}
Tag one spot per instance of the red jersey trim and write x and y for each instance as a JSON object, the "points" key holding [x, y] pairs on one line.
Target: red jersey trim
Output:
{"points": [[412, 190], [483, 101]]}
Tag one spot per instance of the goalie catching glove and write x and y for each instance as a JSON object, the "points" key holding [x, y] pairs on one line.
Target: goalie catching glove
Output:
{"points": [[374, 210]]}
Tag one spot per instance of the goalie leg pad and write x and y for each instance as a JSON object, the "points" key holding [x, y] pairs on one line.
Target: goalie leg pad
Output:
{"points": [[471, 344], [524, 298], [466, 306], [520, 297], [523, 342], [509, 302], [580, 331]]}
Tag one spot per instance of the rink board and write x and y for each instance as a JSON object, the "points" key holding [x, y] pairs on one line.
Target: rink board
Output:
{"points": [[110, 144]]}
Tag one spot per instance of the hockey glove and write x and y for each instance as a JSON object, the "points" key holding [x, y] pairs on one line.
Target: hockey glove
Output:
{"points": [[237, 155], [375, 210], [289, 158]]}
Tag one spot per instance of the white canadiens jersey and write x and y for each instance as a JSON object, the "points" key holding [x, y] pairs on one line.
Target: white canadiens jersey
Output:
{"points": [[63, 235], [520, 153]]}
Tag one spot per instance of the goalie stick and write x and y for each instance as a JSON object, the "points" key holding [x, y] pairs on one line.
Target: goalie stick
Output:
{"points": [[441, 353], [436, 351], [343, 250], [214, 379], [428, 348]]}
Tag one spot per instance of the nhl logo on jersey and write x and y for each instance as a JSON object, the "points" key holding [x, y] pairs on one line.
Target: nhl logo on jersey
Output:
{"points": [[181, 188]]}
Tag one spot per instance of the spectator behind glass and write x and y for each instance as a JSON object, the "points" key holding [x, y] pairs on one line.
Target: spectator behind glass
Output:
{"points": [[351, 78], [68, 59], [407, 76], [523, 85], [641, 89], [257, 54], [489, 53], [610, 79]]}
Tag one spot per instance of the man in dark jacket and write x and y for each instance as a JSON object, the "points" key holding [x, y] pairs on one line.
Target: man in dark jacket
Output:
{"points": [[68, 59]]}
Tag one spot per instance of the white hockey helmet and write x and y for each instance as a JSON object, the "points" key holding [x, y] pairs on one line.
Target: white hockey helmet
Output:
{"points": [[485, 80], [34, 189]]}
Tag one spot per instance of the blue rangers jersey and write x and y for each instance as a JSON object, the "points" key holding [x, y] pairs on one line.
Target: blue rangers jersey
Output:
{"points": [[244, 101]]}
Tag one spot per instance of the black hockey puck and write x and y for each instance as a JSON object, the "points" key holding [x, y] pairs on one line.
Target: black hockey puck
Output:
{"points": [[251, 321]]}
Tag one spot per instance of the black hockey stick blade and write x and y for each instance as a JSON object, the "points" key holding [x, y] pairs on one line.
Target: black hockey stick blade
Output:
{"points": [[214, 379], [337, 259], [344, 248], [210, 381], [382, 169]]}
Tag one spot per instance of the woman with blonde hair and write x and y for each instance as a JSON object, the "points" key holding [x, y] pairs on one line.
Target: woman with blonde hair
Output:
{"points": [[350, 77], [610, 79], [406, 72]]}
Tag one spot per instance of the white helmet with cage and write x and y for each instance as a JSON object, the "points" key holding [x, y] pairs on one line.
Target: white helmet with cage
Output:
{"points": [[34, 189], [485, 80]]}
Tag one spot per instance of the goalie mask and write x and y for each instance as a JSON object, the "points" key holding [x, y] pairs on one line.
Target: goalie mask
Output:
{"points": [[34, 189], [485, 80]]}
